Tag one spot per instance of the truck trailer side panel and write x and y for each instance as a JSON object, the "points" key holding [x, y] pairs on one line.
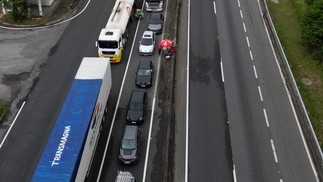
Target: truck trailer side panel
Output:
{"points": [[77, 120]]}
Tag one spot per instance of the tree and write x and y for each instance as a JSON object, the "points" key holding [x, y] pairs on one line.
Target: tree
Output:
{"points": [[18, 9], [312, 29]]}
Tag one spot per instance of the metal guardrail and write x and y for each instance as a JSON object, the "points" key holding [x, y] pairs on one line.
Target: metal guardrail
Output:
{"points": [[298, 103]]}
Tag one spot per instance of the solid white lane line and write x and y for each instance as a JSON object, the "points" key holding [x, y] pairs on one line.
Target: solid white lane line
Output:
{"points": [[244, 27], [239, 3], [248, 42], [5, 137], [214, 6], [266, 118], [251, 56], [234, 173], [187, 89], [260, 94], [255, 71], [274, 151], [241, 14], [280, 180], [149, 134], [222, 73]]}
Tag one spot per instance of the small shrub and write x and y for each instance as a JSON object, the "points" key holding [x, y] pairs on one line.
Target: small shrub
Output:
{"points": [[312, 29]]}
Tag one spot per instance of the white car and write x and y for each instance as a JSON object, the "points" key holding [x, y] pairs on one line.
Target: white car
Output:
{"points": [[147, 43]]}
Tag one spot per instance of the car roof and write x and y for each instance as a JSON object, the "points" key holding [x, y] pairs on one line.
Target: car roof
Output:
{"points": [[137, 95], [147, 34], [156, 14], [144, 64], [130, 132]]}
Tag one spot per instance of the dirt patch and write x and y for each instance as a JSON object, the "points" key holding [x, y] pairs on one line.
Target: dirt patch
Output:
{"points": [[307, 81]]}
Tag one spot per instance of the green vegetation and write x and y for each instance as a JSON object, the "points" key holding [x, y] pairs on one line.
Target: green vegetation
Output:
{"points": [[287, 16], [61, 10], [2, 111], [312, 29], [8, 18], [18, 8]]}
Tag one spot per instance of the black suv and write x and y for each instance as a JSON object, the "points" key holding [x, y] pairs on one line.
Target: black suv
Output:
{"points": [[130, 145], [144, 76], [136, 107]]}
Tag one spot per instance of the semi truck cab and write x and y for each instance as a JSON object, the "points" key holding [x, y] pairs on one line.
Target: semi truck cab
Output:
{"points": [[110, 44]]}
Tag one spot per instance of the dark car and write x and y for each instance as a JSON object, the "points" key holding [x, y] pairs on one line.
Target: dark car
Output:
{"points": [[137, 107], [144, 74], [155, 23], [130, 145]]}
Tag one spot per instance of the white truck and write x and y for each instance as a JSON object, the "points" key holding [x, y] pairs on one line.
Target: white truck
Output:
{"points": [[72, 143], [113, 37]]}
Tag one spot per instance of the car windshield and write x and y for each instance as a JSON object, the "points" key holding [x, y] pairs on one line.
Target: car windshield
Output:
{"points": [[144, 72], [146, 42], [108, 44], [128, 144], [153, 1], [154, 19], [136, 106]]}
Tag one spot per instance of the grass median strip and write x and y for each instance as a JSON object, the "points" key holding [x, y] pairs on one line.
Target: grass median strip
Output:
{"points": [[308, 72]]}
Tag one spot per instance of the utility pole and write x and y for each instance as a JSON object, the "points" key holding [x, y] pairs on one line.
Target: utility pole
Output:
{"points": [[40, 8]]}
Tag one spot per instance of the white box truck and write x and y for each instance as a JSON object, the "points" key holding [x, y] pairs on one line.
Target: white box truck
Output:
{"points": [[72, 143]]}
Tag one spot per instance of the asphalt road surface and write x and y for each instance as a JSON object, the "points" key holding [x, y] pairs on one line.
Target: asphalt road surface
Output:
{"points": [[23, 147], [267, 144], [20, 153], [243, 128], [111, 163], [209, 151]]}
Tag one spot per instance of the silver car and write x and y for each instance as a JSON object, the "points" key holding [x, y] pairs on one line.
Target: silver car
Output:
{"points": [[147, 43]]}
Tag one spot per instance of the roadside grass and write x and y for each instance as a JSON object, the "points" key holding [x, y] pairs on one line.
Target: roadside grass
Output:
{"points": [[286, 16], [27, 21], [2, 111]]}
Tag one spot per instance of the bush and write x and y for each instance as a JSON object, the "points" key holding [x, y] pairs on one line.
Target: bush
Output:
{"points": [[2, 111], [18, 9], [312, 29]]}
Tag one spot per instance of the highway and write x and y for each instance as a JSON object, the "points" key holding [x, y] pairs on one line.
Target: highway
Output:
{"points": [[241, 124], [20, 153], [209, 152], [267, 143], [23, 146]]}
